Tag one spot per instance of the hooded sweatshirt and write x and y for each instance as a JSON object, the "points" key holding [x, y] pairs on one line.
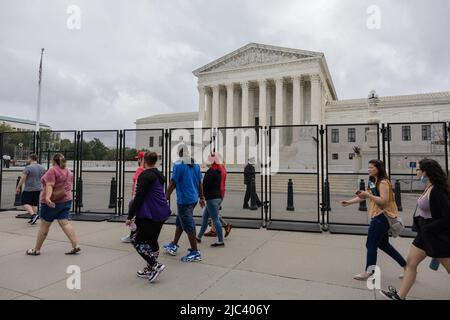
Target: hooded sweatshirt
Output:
{"points": [[150, 200]]}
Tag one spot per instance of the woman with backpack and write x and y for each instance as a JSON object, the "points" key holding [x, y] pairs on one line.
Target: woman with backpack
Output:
{"points": [[432, 224], [381, 206]]}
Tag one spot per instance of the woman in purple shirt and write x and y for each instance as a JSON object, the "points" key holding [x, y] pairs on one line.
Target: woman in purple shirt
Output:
{"points": [[433, 236]]}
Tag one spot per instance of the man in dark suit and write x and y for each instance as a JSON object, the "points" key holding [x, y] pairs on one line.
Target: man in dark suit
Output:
{"points": [[250, 182]]}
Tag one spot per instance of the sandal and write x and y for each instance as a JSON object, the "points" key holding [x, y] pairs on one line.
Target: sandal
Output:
{"points": [[32, 252], [74, 250]]}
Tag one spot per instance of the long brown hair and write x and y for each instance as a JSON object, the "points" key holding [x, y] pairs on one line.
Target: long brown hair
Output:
{"points": [[60, 160], [436, 174], [382, 174]]}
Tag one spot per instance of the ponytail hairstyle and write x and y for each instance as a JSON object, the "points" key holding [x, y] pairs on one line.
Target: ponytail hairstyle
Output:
{"points": [[60, 160]]}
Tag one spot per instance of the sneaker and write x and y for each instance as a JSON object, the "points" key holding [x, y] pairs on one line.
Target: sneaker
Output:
{"points": [[156, 272], [33, 219], [391, 294], [210, 233], [193, 255], [228, 229], [362, 276], [218, 244], [171, 248], [126, 239], [144, 273]]}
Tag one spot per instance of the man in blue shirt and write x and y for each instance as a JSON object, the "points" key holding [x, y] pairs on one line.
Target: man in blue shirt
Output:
{"points": [[187, 180]]}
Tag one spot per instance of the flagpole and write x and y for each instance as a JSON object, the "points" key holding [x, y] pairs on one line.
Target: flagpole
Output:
{"points": [[38, 113]]}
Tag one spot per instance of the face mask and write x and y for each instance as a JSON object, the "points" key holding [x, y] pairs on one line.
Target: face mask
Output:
{"points": [[423, 179]]}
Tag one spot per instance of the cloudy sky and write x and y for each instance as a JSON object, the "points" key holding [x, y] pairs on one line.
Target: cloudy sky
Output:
{"points": [[132, 59]]}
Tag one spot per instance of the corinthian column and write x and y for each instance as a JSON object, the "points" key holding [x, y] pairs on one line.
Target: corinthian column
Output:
{"points": [[215, 107], [263, 102], [230, 105], [279, 102], [245, 112], [316, 100], [201, 104]]}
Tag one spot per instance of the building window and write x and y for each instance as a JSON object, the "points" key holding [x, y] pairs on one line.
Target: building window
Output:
{"points": [[160, 141], [351, 135], [335, 156], [351, 156], [426, 132], [150, 144], [365, 133], [406, 133], [334, 135]]}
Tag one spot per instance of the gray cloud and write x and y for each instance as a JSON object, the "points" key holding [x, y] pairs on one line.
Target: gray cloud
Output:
{"points": [[134, 59]]}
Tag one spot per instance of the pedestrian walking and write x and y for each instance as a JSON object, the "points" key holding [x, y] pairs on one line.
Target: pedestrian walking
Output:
{"points": [[250, 183], [140, 161], [31, 179], [56, 202], [213, 196], [432, 224], [187, 181], [150, 209], [381, 204]]}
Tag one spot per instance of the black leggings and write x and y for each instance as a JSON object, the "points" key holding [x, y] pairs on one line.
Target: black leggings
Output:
{"points": [[145, 240]]}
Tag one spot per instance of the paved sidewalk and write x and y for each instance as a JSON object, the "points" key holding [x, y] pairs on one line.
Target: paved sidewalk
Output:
{"points": [[255, 264]]}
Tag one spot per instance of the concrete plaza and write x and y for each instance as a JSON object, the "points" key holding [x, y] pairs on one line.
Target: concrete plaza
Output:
{"points": [[254, 264]]}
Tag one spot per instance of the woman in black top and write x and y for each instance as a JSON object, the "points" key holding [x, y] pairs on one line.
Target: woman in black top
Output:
{"points": [[433, 236], [211, 191]]}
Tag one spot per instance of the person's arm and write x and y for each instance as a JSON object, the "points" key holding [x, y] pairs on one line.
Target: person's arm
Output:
{"points": [[382, 200], [170, 188], [439, 206], [355, 200], [200, 187], [143, 185], [23, 178]]}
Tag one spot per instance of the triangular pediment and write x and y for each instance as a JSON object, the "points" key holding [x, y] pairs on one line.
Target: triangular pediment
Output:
{"points": [[256, 54]]}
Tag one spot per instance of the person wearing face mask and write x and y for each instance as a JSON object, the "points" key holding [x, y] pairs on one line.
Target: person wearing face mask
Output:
{"points": [[433, 235]]}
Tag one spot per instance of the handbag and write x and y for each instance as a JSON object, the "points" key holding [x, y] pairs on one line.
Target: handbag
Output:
{"points": [[396, 225], [60, 193]]}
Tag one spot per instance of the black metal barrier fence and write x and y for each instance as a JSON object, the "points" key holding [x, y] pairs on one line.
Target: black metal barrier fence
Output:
{"points": [[299, 175]]}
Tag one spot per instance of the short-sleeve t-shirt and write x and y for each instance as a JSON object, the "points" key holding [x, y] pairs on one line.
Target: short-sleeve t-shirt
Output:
{"points": [[60, 178], [187, 179], [34, 173]]}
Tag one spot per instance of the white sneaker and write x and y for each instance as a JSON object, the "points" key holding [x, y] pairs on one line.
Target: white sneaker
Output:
{"points": [[126, 239]]}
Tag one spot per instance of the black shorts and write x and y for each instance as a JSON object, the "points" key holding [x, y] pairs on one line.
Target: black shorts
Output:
{"points": [[434, 245], [31, 198]]}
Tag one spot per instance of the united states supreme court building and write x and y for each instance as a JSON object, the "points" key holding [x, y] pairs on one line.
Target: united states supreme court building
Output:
{"points": [[264, 85]]}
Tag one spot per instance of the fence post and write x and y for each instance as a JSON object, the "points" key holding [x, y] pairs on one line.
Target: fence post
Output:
{"points": [[79, 196], [362, 205], [18, 197], [113, 194], [398, 195], [327, 196], [290, 196]]}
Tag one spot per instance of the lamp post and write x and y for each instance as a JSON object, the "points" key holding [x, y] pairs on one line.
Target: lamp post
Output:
{"points": [[38, 112]]}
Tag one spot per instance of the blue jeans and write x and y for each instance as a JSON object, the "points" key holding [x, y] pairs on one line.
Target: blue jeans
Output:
{"points": [[185, 217], [378, 237], [212, 211]]}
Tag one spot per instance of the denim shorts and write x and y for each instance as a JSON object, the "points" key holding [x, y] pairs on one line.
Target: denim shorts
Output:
{"points": [[185, 217], [60, 212]]}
